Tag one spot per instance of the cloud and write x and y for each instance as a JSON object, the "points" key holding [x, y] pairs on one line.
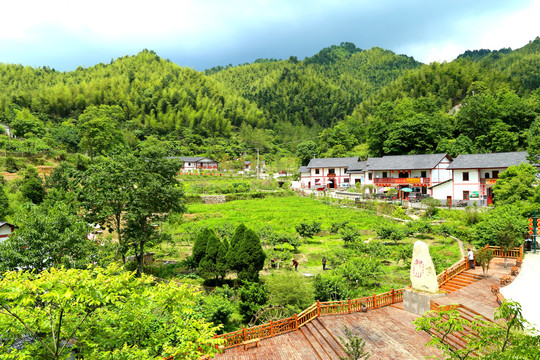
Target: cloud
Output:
{"points": [[204, 33]]}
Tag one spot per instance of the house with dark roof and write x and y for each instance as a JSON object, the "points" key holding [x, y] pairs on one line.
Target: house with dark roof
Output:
{"points": [[417, 172], [191, 163], [473, 176], [6, 229], [327, 173]]}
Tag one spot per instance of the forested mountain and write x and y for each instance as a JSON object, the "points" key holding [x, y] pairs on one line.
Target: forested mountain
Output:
{"points": [[352, 101]]}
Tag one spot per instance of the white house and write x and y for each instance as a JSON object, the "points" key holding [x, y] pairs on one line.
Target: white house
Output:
{"points": [[417, 172], [328, 173], [473, 176], [196, 163]]}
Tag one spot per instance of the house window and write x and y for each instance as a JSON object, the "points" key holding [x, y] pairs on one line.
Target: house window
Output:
{"points": [[331, 171], [466, 176], [346, 180], [423, 174], [370, 176], [384, 174], [465, 195], [316, 171], [486, 175], [495, 174]]}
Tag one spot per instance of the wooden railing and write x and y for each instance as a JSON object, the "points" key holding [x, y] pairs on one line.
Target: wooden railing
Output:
{"points": [[515, 253], [452, 272]]}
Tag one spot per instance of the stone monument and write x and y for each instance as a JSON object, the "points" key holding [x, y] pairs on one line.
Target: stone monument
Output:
{"points": [[423, 279]]}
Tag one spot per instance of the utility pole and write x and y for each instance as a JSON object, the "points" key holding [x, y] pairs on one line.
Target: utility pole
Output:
{"points": [[257, 163]]}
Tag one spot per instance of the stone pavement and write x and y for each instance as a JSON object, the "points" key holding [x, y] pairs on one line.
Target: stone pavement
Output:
{"points": [[525, 289]]}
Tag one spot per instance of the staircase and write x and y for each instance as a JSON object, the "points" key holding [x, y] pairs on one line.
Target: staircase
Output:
{"points": [[463, 279], [458, 339], [325, 345]]}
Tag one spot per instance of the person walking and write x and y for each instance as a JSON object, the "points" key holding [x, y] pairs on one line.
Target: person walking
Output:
{"points": [[324, 263], [470, 255], [295, 263]]}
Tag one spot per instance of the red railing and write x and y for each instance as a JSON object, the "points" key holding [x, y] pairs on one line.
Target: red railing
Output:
{"points": [[415, 180]]}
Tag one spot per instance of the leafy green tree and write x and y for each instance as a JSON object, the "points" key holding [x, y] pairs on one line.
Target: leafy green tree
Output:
{"points": [[48, 237], [130, 194], [4, 203], [290, 290], [349, 234], [99, 129], [111, 314], [360, 271], [232, 253], [306, 230], [252, 296], [487, 340], [25, 124], [305, 151], [329, 287], [32, 186], [504, 224], [483, 258], [516, 185]]}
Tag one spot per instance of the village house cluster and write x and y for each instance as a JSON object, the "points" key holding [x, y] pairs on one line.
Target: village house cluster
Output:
{"points": [[466, 179]]}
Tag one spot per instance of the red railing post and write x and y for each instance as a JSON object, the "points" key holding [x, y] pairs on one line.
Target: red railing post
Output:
{"points": [[521, 252], [245, 333], [374, 301], [318, 308], [295, 321], [445, 275], [349, 305], [271, 328], [393, 300]]}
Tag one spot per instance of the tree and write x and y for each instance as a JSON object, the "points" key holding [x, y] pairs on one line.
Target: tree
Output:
{"points": [[198, 251], [249, 257], [354, 346], [4, 203], [516, 184], [48, 236], [208, 266], [32, 186], [503, 224], [305, 151], [25, 124], [99, 129], [130, 194], [290, 290], [483, 258], [111, 314], [306, 230], [252, 296], [487, 340]]}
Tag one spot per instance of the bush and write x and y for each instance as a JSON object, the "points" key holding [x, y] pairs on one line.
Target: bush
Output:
{"points": [[290, 290], [390, 232], [308, 230], [349, 234]]}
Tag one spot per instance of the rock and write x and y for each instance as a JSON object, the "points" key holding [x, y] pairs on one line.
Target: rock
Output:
{"points": [[423, 275]]}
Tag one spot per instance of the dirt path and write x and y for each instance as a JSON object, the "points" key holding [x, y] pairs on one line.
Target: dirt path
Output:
{"points": [[525, 289]]}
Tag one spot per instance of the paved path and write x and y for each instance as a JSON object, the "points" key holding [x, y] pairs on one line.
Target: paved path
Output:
{"points": [[525, 289]]}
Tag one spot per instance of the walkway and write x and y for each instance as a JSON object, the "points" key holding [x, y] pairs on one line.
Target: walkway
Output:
{"points": [[525, 289]]}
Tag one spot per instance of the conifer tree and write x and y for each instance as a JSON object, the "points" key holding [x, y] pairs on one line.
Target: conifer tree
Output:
{"points": [[233, 246], [199, 247], [221, 262], [208, 265], [249, 257]]}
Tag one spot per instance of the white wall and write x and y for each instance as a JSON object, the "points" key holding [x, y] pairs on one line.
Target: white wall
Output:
{"points": [[460, 185], [441, 192]]}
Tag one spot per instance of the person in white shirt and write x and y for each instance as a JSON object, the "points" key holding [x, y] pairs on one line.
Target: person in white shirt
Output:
{"points": [[470, 255]]}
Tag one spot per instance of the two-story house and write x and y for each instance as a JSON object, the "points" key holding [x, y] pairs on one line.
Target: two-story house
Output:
{"points": [[473, 176], [191, 163], [416, 172], [328, 173]]}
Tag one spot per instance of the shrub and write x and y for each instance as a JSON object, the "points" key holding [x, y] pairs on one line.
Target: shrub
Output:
{"points": [[308, 230]]}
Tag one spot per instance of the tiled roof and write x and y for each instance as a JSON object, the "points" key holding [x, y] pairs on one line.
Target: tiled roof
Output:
{"points": [[486, 161], [405, 162], [332, 162], [186, 158], [359, 167], [303, 169]]}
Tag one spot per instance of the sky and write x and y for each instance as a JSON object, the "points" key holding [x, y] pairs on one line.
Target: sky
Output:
{"points": [[200, 34]]}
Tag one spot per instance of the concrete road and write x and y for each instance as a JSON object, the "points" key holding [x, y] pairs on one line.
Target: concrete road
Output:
{"points": [[525, 289]]}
